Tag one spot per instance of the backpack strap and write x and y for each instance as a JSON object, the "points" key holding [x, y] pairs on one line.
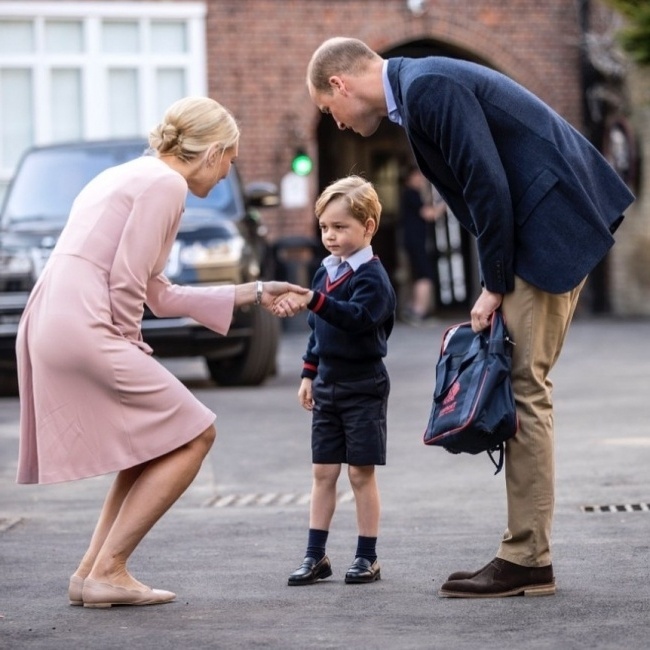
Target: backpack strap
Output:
{"points": [[498, 464]]}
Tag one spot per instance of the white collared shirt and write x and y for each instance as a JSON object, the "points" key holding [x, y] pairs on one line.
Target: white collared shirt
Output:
{"points": [[336, 268], [391, 106]]}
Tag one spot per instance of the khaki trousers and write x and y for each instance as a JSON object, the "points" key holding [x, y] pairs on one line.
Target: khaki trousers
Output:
{"points": [[538, 323]]}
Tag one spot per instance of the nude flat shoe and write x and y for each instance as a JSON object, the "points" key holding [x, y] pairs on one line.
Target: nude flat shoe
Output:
{"points": [[74, 590], [101, 595]]}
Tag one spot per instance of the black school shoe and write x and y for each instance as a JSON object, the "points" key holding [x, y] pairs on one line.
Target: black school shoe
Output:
{"points": [[362, 570], [310, 571]]}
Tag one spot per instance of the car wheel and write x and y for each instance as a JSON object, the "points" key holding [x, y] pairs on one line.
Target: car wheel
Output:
{"points": [[257, 361]]}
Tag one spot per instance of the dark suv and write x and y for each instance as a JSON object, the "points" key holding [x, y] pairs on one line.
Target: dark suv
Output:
{"points": [[221, 240]]}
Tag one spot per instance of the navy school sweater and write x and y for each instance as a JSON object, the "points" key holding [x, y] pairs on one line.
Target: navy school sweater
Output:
{"points": [[351, 320]]}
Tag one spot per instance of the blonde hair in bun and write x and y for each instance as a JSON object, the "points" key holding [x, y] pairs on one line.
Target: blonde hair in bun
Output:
{"points": [[191, 125]]}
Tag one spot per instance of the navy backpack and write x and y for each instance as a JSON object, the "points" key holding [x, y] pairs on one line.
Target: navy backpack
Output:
{"points": [[473, 404]]}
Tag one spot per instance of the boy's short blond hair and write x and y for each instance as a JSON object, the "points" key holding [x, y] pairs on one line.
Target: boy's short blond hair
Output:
{"points": [[358, 194]]}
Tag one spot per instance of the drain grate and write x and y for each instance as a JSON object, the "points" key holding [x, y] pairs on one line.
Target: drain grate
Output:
{"points": [[627, 507], [269, 499]]}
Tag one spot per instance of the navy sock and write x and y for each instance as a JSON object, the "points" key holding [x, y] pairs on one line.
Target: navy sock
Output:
{"points": [[366, 547], [316, 543]]}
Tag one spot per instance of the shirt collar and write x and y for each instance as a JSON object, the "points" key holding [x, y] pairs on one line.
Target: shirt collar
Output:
{"points": [[391, 105], [335, 267]]}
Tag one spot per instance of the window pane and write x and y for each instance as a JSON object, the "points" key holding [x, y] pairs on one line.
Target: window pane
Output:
{"points": [[123, 102], [120, 37], [63, 36], [42, 189], [66, 105], [170, 86], [16, 120], [168, 37], [16, 36]]}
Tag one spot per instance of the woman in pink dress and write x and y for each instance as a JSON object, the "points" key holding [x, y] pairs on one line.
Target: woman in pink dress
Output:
{"points": [[93, 399]]}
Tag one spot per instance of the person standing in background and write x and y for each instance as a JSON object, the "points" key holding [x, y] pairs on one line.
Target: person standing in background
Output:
{"points": [[416, 219]]}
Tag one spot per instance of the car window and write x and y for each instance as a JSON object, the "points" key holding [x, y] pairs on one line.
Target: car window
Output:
{"points": [[48, 181]]}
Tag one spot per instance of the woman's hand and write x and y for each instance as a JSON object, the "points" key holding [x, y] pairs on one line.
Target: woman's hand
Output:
{"points": [[291, 303], [275, 292], [249, 294]]}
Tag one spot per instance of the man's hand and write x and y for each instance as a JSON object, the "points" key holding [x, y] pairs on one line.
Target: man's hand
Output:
{"points": [[483, 309]]}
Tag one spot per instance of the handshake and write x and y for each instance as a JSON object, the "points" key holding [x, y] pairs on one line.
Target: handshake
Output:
{"points": [[284, 299]]}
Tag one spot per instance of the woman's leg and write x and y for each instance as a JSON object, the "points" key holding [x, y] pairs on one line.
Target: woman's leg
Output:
{"points": [[323, 495], [366, 494], [137, 500], [112, 504]]}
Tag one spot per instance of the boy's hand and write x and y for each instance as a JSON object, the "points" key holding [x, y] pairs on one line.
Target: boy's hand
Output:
{"points": [[304, 394]]}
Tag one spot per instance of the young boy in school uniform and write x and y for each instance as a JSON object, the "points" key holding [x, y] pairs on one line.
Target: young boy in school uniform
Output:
{"points": [[344, 383]]}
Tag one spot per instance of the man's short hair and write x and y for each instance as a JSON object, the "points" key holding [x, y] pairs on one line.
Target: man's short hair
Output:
{"points": [[335, 56]]}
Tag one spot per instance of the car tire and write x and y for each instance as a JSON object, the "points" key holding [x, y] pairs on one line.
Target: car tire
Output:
{"points": [[257, 361]]}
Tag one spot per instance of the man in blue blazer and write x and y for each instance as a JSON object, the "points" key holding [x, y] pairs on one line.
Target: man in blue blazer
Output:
{"points": [[543, 205]]}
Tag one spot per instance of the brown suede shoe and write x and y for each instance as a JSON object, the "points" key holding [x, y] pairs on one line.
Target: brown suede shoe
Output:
{"points": [[464, 575], [501, 578]]}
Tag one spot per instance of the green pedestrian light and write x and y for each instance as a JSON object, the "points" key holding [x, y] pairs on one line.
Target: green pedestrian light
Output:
{"points": [[301, 163]]}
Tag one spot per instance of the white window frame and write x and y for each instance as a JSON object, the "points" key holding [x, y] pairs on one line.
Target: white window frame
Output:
{"points": [[94, 64]]}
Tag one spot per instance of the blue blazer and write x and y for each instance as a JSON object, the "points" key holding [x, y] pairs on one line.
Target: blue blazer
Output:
{"points": [[541, 201]]}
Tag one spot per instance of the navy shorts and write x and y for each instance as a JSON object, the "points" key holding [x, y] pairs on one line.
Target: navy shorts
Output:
{"points": [[349, 421]]}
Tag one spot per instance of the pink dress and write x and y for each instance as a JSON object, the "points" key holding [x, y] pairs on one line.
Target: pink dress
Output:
{"points": [[92, 398]]}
